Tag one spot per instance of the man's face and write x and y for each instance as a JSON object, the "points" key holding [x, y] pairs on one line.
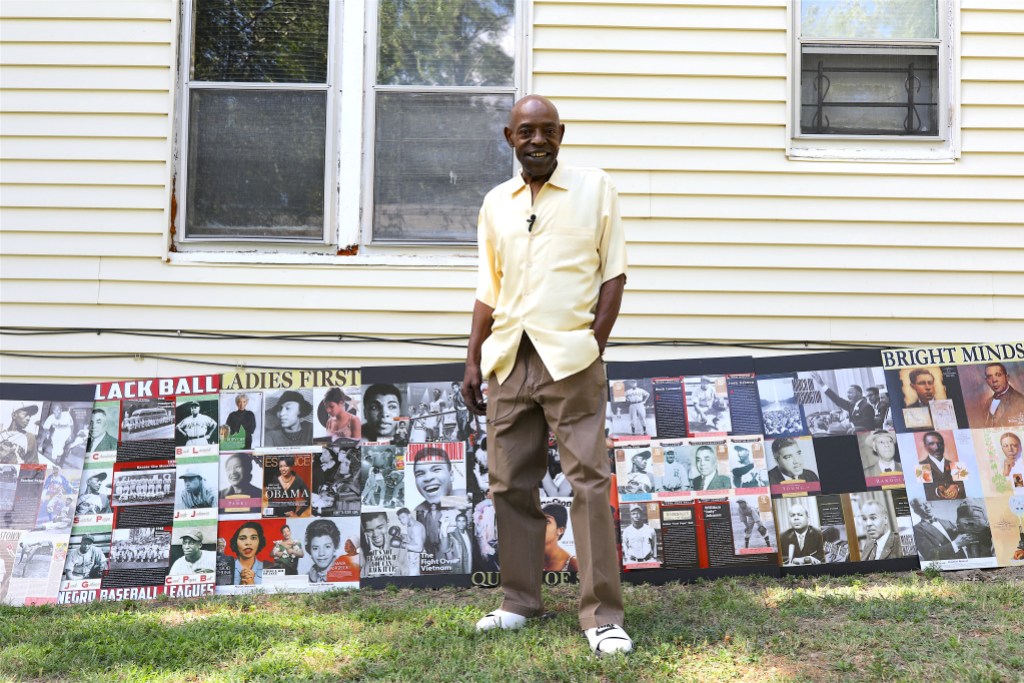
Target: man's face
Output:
{"points": [[94, 485], [670, 457], [853, 394], [84, 546], [639, 464], [1011, 446], [535, 133], [460, 523], [404, 517], [873, 396], [321, 551], [885, 448], [375, 529], [433, 479], [195, 410], [705, 461], [437, 394], [235, 471], [191, 547], [791, 462], [288, 414], [924, 509], [996, 379], [98, 425], [875, 521], [935, 446], [382, 412], [193, 484], [636, 517], [20, 419], [743, 455], [221, 545], [924, 385], [798, 518]]}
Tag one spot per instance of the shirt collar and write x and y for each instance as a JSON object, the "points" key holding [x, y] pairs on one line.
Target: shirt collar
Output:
{"points": [[559, 178]]}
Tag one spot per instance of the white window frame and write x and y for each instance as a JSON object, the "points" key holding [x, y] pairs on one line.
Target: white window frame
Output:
{"points": [[943, 147], [351, 86]]}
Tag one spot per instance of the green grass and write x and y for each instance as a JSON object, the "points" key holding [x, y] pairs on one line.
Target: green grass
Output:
{"points": [[905, 627]]}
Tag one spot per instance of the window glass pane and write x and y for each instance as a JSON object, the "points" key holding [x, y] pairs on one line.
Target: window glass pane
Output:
{"points": [[437, 154], [256, 164], [869, 91], [869, 19], [263, 41], [455, 42]]}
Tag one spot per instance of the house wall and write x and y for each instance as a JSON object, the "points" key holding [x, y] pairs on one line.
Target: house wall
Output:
{"points": [[683, 102]]}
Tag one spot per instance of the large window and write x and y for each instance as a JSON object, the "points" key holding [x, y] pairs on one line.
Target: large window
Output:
{"points": [[873, 75], [275, 129]]}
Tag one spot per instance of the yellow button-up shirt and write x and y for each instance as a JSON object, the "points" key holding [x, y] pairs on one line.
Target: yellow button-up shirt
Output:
{"points": [[545, 281]]}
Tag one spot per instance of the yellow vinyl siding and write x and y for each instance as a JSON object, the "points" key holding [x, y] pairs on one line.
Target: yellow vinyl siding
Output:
{"points": [[684, 102]]}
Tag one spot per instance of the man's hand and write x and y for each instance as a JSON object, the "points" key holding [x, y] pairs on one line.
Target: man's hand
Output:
{"points": [[480, 330], [472, 391]]}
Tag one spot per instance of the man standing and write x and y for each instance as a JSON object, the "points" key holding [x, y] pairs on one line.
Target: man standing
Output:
{"points": [[1005, 407], [637, 397], [456, 546], [862, 413], [639, 541], [196, 429], [552, 271], [677, 476], [880, 543], [413, 538]]}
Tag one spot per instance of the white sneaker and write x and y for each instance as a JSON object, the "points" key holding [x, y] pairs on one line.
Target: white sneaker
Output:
{"points": [[501, 619], [608, 639]]}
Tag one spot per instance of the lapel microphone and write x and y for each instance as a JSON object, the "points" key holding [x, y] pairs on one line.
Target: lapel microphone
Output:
{"points": [[530, 221]]}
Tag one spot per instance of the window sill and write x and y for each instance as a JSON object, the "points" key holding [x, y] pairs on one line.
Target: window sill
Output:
{"points": [[270, 258], [852, 152]]}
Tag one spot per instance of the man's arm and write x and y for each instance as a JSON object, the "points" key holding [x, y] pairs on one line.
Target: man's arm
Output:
{"points": [[480, 330], [609, 300]]}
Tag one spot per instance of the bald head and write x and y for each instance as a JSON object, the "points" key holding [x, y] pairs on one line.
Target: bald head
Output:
{"points": [[535, 132]]}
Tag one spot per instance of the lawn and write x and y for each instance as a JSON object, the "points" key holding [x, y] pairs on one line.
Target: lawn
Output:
{"points": [[913, 627]]}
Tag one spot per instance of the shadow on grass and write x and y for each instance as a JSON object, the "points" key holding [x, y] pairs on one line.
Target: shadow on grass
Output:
{"points": [[853, 628]]}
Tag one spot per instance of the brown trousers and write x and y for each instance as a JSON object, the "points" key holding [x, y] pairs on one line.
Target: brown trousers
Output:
{"points": [[518, 414]]}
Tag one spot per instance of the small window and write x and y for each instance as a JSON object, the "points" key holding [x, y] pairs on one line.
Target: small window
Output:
{"points": [[873, 70]]}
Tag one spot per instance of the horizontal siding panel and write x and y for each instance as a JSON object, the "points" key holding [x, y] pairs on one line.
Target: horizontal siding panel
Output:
{"points": [[654, 87], [87, 125], [100, 149], [86, 9], [769, 161], [851, 231], [600, 15], [55, 267], [973, 6], [656, 5], [982, 69], [662, 40], [1004, 23], [1005, 140], [88, 78], [666, 135], [976, 116], [851, 259], [830, 208], [648, 63], [86, 244], [84, 172], [87, 54], [77, 219], [84, 292], [668, 111], [1008, 308], [91, 101], [979, 45], [77, 31], [85, 196]]}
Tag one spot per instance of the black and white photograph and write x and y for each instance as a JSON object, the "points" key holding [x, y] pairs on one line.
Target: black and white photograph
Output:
{"points": [[952, 533], [801, 538], [35, 554], [883, 532], [631, 402], [707, 405], [337, 489], [711, 471], [194, 549], [380, 546], [435, 479], [379, 485], [196, 483], [57, 503], [634, 473], [19, 424], [195, 422], [8, 487], [436, 412], [554, 483], [673, 468], [88, 556], [330, 550], [95, 490], [880, 458], [147, 419], [792, 466], [241, 483], [780, 410], [146, 487], [748, 465], [104, 423], [288, 418], [241, 414], [844, 401], [383, 406], [64, 433], [141, 548], [337, 416], [641, 535], [753, 525]]}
